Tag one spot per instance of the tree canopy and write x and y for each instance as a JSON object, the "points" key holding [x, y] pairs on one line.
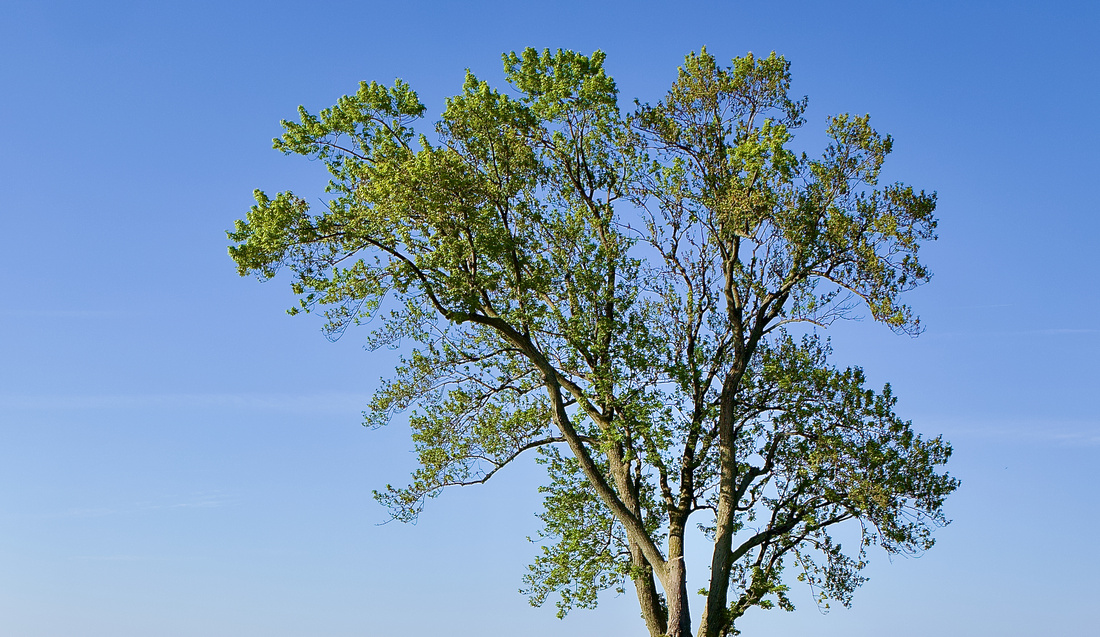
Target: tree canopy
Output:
{"points": [[638, 298]]}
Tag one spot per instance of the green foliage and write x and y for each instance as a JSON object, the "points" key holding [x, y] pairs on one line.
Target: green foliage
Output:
{"points": [[585, 553], [615, 290]]}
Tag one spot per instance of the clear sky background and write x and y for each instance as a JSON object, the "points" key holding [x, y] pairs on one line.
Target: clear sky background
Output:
{"points": [[179, 457]]}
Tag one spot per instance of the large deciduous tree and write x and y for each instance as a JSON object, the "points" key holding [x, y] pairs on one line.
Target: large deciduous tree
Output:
{"points": [[622, 293]]}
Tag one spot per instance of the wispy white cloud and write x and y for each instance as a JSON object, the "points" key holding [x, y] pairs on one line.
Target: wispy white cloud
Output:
{"points": [[114, 558], [89, 512], [199, 501], [313, 403], [202, 500], [130, 558], [1061, 331], [1063, 433], [1069, 438], [20, 313], [981, 306]]}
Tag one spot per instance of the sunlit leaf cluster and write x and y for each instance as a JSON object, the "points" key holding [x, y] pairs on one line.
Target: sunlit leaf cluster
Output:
{"points": [[636, 296]]}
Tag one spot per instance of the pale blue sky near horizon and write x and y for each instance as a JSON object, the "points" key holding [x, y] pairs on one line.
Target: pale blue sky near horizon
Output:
{"points": [[179, 457]]}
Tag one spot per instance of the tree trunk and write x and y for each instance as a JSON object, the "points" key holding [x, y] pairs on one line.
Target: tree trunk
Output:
{"points": [[654, 614], [713, 621], [679, 616]]}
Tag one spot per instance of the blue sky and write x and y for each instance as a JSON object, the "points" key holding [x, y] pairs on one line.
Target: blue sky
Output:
{"points": [[180, 457]]}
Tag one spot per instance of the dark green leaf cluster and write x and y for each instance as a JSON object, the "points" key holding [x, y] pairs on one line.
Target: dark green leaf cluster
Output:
{"points": [[823, 449]]}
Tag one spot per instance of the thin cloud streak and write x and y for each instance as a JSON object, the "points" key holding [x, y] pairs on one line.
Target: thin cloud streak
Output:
{"points": [[202, 501], [114, 558], [1059, 434], [62, 313], [1040, 332], [130, 558], [313, 403], [210, 500]]}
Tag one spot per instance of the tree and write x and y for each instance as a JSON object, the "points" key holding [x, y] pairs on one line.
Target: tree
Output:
{"points": [[638, 298]]}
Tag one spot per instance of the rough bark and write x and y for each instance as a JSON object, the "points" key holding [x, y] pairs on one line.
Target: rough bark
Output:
{"points": [[656, 617], [679, 615], [713, 619], [653, 612]]}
